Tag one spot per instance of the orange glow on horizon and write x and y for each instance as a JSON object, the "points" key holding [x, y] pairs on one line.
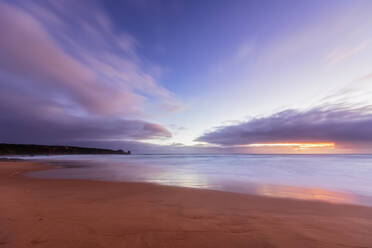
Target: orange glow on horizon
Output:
{"points": [[296, 146]]}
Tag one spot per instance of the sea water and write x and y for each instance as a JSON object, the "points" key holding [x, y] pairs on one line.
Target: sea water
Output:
{"points": [[334, 178]]}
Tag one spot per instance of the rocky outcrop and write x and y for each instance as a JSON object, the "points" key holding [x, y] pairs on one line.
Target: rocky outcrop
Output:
{"points": [[21, 149]]}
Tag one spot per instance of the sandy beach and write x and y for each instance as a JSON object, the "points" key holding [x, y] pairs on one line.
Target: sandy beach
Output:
{"points": [[82, 213]]}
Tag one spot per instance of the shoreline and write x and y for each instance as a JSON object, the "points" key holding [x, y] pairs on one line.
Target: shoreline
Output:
{"points": [[88, 213], [253, 188]]}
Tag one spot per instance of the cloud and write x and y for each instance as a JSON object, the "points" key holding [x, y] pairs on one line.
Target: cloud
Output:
{"points": [[341, 53], [26, 119], [79, 55], [364, 78], [68, 76], [332, 123]]}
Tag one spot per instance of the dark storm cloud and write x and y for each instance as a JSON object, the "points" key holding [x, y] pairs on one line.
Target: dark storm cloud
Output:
{"points": [[335, 123]]}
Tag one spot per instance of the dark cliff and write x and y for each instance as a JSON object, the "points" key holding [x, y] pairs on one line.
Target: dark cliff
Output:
{"points": [[20, 149]]}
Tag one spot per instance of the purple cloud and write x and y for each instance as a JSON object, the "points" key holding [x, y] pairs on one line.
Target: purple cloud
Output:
{"points": [[82, 58], [334, 123], [30, 119], [67, 77]]}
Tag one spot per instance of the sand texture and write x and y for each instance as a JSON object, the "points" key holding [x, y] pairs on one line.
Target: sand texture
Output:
{"points": [[89, 214]]}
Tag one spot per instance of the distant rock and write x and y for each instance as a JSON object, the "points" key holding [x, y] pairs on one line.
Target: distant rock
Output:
{"points": [[21, 149]]}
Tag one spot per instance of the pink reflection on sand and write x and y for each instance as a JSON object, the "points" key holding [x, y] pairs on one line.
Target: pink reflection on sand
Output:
{"points": [[305, 193]]}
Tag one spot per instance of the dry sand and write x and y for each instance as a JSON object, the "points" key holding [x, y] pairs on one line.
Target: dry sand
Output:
{"points": [[81, 213]]}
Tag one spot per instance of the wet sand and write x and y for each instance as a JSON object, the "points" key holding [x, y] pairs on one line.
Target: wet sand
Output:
{"points": [[82, 213]]}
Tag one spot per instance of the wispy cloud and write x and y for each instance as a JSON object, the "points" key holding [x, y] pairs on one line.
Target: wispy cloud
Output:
{"points": [[67, 75], [341, 53], [33, 119], [84, 58]]}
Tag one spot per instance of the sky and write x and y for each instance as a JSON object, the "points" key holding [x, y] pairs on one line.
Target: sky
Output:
{"points": [[156, 76]]}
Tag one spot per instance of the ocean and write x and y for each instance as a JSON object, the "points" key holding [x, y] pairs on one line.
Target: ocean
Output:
{"points": [[333, 178]]}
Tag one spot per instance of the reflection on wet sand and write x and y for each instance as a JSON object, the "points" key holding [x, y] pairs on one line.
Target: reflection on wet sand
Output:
{"points": [[181, 179], [304, 193], [187, 179], [231, 175]]}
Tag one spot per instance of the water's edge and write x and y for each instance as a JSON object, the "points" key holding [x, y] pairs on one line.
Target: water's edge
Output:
{"points": [[273, 176]]}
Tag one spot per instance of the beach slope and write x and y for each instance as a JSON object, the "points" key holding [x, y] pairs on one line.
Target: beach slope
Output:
{"points": [[82, 213]]}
